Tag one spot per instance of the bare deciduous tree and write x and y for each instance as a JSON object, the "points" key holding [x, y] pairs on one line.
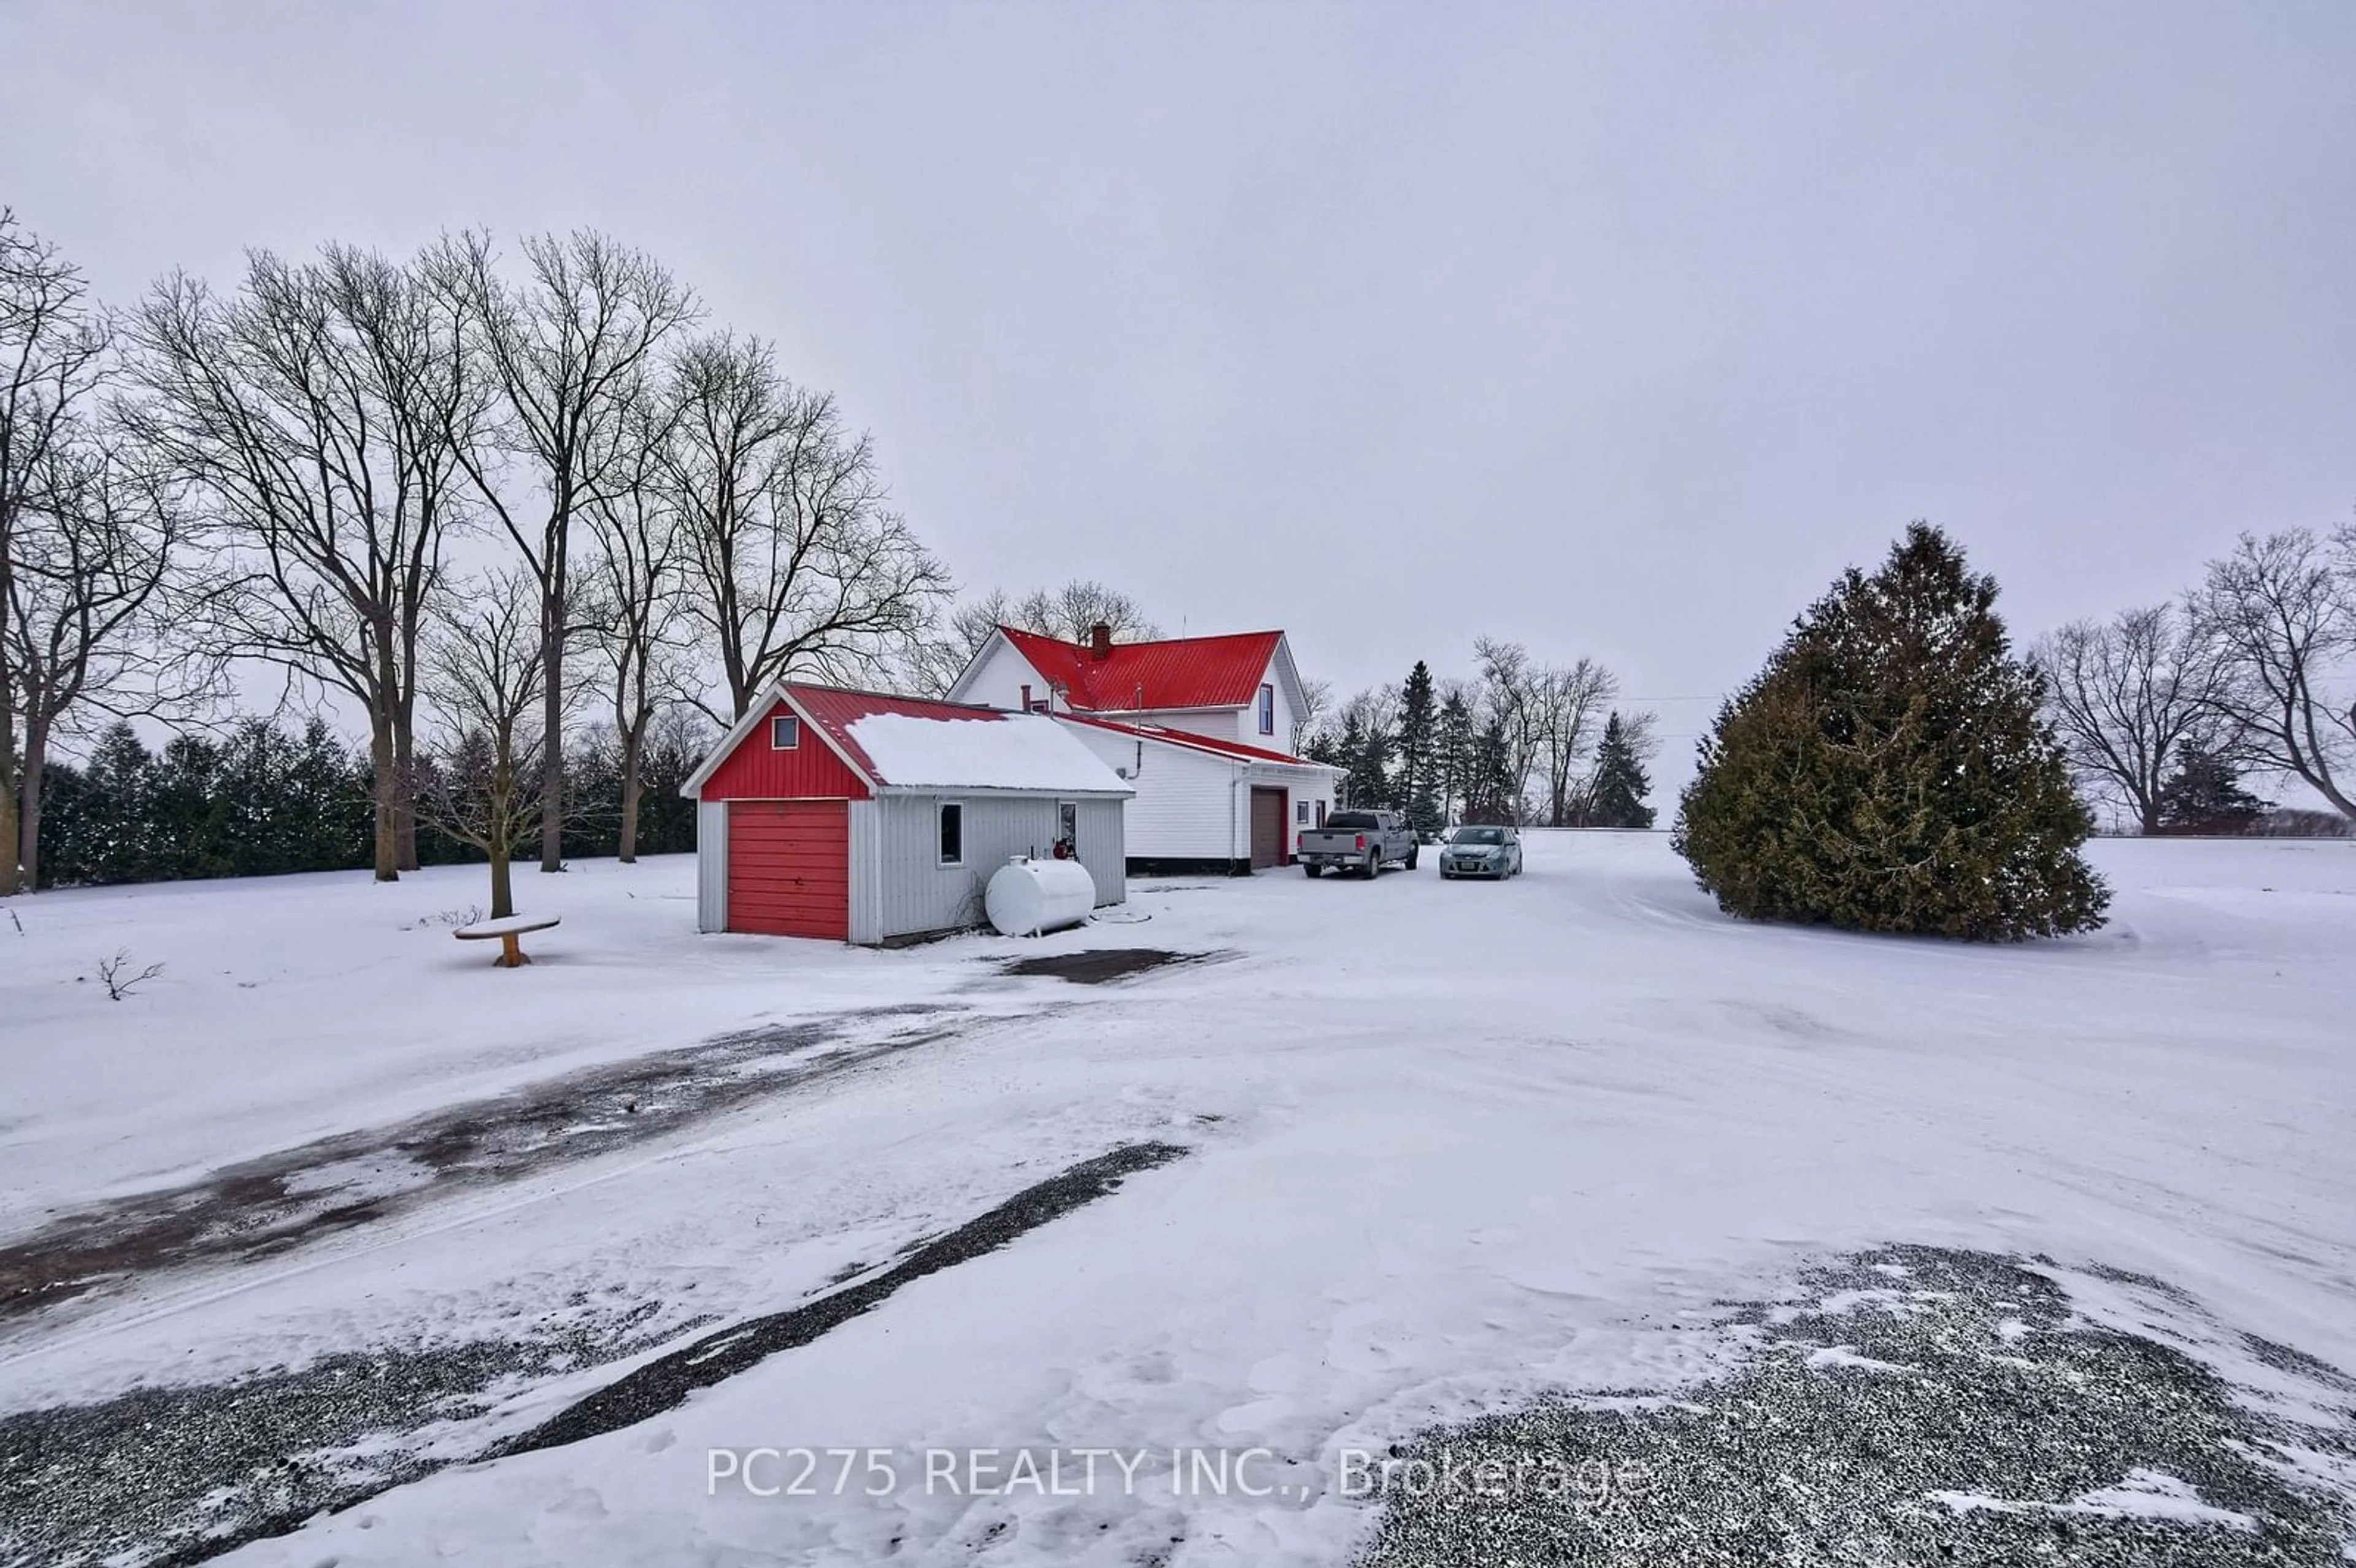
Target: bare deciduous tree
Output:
{"points": [[53, 343], [636, 609], [1316, 701], [321, 414], [571, 350], [1509, 704], [795, 561], [2279, 615], [88, 566], [2127, 695], [1071, 612], [1570, 704], [485, 677]]}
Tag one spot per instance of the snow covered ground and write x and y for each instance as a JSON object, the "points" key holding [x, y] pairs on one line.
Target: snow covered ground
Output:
{"points": [[1452, 1147]]}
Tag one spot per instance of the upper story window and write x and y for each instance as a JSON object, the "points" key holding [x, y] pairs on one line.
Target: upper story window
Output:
{"points": [[1268, 710], [785, 732]]}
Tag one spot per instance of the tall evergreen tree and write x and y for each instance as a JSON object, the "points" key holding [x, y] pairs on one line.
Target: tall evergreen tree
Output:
{"points": [[1418, 740], [2204, 795], [1369, 777], [1620, 785], [1489, 776], [1453, 751], [1891, 770]]}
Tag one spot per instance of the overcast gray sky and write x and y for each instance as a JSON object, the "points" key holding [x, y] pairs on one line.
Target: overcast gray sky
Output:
{"points": [[1618, 330]]}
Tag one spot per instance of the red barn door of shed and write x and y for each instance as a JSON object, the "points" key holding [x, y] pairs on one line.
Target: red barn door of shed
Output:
{"points": [[789, 868]]}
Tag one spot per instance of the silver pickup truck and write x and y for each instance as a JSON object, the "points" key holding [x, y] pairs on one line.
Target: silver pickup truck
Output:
{"points": [[1363, 841]]}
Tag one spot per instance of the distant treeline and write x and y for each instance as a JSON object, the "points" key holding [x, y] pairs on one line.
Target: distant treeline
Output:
{"points": [[260, 799]]}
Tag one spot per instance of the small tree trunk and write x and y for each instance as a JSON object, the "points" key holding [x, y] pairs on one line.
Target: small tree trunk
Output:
{"points": [[27, 807], [386, 794], [404, 770], [8, 837], [551, 739], [502, 883], [634, 746], [2151, 823]]}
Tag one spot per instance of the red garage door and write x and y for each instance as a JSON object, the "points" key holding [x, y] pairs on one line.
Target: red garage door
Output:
{"points": [[789, 868]]}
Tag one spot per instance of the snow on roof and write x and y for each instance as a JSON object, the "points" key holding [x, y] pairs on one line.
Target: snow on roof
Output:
{"points": [[978, 749]]}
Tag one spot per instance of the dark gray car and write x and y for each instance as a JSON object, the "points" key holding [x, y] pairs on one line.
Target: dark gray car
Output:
{"points": [[1476, 850]]}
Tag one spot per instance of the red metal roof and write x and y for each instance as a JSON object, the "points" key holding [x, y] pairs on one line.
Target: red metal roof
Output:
{"points": [[1174, 672], [1188, 737], [834, 710]]}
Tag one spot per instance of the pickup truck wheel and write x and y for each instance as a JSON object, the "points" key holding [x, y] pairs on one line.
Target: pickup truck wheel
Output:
{"points": [[1412, 854], [1374, 864], [1314, 869]]}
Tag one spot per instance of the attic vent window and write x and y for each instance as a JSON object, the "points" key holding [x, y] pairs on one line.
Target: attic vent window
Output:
{"points": [[785, 732]]}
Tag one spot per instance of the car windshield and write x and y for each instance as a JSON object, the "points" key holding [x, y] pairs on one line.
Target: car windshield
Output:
{"points": [[1357, 821], [1480, 835]]}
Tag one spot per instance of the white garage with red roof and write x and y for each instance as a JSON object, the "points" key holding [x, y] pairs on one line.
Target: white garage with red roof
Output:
{"points": [[1197, 726], [860, 816]]}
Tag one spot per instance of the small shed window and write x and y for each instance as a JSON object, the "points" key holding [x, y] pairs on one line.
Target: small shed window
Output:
{"points": [[785, 732], [952, 833], [1268, 710], [1299, 811]]}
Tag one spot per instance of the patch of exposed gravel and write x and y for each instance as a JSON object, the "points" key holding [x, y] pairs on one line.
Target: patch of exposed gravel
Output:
{"points": [[1918, 1406]]}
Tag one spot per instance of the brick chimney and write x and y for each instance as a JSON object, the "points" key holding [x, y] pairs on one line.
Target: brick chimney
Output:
{"points": [[1100, 642]]}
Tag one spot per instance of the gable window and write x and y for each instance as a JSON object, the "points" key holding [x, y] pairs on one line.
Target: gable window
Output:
{"points": [[785, 732], [1268, 710], [952, 833]]}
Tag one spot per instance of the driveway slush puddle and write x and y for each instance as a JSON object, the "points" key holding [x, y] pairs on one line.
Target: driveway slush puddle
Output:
{"points": [[1100, 965], [249, 1212]]}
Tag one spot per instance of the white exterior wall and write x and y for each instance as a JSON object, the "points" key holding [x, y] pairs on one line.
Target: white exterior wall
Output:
{"points": [[711, 865], [1185, 802], [998, 680], [1191, 806], [909, 891]]}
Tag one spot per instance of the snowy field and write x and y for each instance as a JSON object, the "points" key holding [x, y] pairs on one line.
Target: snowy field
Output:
{"points": [[1449, 1148]]}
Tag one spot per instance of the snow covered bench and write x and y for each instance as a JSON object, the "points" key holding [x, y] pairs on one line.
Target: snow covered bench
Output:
{"points": [[511, 953]]}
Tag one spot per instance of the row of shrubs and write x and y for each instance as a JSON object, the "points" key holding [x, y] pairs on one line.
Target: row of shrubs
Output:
{"points": [[264, 799]]}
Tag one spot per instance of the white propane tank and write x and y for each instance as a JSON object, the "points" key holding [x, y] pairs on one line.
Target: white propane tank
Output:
{"points": [[1026, 896]]}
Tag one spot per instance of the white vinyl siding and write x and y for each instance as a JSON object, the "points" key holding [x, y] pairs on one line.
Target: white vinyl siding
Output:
{"points": [[711, 865], [997, 681]]}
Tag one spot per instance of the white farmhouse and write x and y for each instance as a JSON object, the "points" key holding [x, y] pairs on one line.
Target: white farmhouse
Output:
{"points": [[1198, 726]]}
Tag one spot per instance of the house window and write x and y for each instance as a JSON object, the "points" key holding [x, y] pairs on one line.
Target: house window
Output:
{"points": [[1299, 811], [1268, 710], [952, 833], [785, 732]]}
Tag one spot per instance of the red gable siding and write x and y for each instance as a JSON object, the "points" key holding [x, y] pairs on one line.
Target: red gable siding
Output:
{"points": [[811, 770], [1174, 672]]}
